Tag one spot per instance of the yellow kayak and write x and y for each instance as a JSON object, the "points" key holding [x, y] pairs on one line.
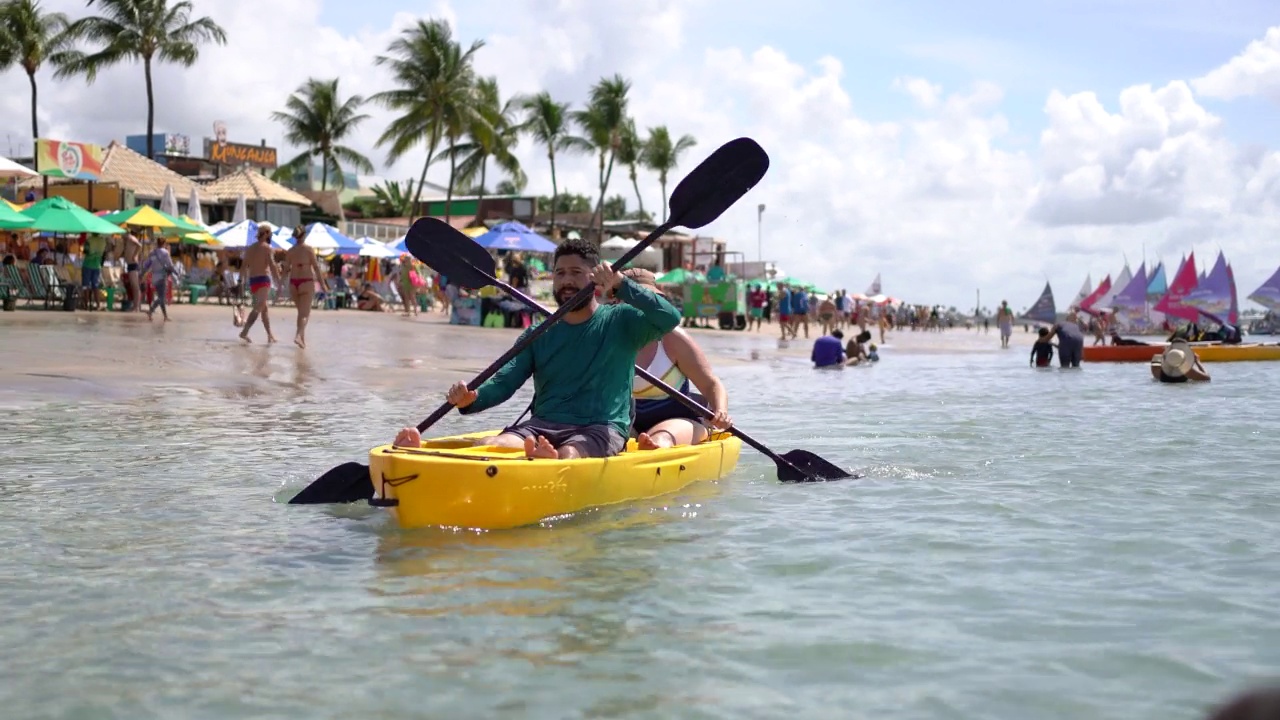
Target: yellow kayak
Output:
{"points": [[450, 482]]}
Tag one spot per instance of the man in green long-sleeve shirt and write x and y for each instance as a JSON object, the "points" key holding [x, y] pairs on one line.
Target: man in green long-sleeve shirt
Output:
{"points": [[582, 367]]}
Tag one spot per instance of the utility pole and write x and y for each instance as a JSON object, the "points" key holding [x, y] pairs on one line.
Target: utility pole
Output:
{"points": [[760, 232], [977, 309]]}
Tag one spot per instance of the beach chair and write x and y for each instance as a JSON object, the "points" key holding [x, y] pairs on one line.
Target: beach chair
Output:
{"points": [[55, 290]]}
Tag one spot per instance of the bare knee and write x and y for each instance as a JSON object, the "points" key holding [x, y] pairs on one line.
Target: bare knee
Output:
{"points": [[504, 440]]}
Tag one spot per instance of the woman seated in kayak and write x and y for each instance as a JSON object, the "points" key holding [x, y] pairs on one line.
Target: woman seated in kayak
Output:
{"points": [[676, 360], [1178, 364]]}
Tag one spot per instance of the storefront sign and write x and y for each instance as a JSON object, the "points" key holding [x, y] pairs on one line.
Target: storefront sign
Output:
{"points": [[225, 153], [60, 158]]}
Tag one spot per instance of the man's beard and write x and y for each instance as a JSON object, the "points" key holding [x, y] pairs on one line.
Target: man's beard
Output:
{"points": [[565, 294]]}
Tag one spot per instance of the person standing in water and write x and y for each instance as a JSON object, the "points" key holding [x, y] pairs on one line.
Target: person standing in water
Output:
{"points": [[676, 360], [130, 253], [1004, 318], [160, 265], [261, 270], [304, 274]]}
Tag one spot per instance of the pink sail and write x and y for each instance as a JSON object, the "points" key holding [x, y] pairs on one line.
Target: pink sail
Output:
{"points": [[1183, 283], [1268, 296], [1213, 294], [1094, 296]]}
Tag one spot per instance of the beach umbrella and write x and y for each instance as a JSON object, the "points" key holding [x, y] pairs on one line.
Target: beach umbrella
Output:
{"points": [[374, 249], [328, 239], [282, 238], [240, 214], [238, 235], [398, 245], [194, 213], [11, 219], [534, 263], [147, 216], [168, 202], [679, 276], [60, 215], [11, 169], [475, 232], [514, 236]]}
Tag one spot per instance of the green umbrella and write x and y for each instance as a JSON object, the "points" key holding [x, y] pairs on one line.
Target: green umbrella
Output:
{"points": [[679, 276], [60, 215], [11, 219], [536, 264]]}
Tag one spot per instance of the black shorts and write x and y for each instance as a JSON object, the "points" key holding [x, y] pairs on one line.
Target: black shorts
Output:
{"points": [[671, 409], [590, 440]]}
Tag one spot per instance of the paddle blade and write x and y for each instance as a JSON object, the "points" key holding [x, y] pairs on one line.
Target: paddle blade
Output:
{"points": [[807, 467], [345, 483], [717, 183], [441, 246]]}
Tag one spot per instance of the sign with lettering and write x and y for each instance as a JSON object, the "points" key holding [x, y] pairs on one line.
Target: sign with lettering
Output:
{"points": [[226, 153]]}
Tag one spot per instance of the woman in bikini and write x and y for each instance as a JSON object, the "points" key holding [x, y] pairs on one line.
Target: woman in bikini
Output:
{"points": [[304, 273], [676, 360]]}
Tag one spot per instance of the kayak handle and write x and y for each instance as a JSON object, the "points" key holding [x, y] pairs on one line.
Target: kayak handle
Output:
{"points": [[385, 501]]}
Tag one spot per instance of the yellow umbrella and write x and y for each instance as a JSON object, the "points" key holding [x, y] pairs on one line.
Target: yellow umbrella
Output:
{"points": [[147, 216], [15, 206], [475, 232]]}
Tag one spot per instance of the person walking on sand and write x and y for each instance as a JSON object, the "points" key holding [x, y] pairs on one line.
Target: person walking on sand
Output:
{"points": [[160, 264], [1004, 318], [261, 270], [130, 253], [304, 273]]}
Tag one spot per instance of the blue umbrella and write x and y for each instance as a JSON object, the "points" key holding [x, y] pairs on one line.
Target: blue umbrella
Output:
{"points": [[242, 234], [515, 236]]}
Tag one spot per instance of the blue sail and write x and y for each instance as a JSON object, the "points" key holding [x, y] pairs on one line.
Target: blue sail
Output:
{"points": [[1044, 310]]}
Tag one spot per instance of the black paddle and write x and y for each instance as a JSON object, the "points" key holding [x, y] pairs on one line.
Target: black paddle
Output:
{"points": [[701, 197], [455, 255]]}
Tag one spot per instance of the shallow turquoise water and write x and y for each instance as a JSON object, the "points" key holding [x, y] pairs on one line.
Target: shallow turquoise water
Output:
{"points": [[1043, 544]]}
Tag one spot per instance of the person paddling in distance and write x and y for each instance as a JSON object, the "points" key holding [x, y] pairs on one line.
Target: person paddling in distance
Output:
{"points": [[582, 367], [304, 274], [675, 359], [262, 270]]}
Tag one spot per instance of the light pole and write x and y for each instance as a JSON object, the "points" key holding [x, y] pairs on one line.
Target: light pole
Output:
{"points": [[759, 232]]}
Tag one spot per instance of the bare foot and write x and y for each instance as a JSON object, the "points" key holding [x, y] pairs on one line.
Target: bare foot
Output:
{"points": [[300, 342], [542, 448], [408, 437], [245, 336], [271, 338], [645, 441]]}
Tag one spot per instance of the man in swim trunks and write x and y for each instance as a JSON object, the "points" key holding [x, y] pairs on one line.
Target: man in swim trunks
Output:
{"points": [[95, 247], [582, 367], [1004, 318], [784, 311], [262, 270], [130, 253]]}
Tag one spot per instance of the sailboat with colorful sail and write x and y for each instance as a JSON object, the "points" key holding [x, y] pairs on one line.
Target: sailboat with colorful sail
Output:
{"points": [[1183, 283], [1106, 303], [1084, 291], [1212, 296], [1131, 302], [1103, 288], [1156, 288], [1044, 310], [1268, 294]]}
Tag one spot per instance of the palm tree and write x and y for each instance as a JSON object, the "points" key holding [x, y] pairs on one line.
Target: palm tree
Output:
{"points": [[28, 37], [547, 121], [434, 79], [493, 133], [318, 120], [630, 154], [602, 123], [662, 156], [145, 30]]}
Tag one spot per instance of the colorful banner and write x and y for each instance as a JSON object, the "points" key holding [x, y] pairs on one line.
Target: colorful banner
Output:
{"points": [[64, 159]]}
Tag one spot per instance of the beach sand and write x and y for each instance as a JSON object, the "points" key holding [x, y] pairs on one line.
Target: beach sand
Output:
{"points": [[55, 354]]}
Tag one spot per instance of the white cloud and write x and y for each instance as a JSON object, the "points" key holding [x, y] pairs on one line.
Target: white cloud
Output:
{"points": [[936, 200], [1255, 71]]}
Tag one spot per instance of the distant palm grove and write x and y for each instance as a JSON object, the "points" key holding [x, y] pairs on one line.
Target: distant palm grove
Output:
{"points": [[438, 103]]}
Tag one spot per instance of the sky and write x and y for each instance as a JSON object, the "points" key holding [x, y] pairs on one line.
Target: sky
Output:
{"points": [[950, 148]]}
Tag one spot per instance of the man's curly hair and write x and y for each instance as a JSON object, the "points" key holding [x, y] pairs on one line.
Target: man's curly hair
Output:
{"points": [[581, 248]]}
